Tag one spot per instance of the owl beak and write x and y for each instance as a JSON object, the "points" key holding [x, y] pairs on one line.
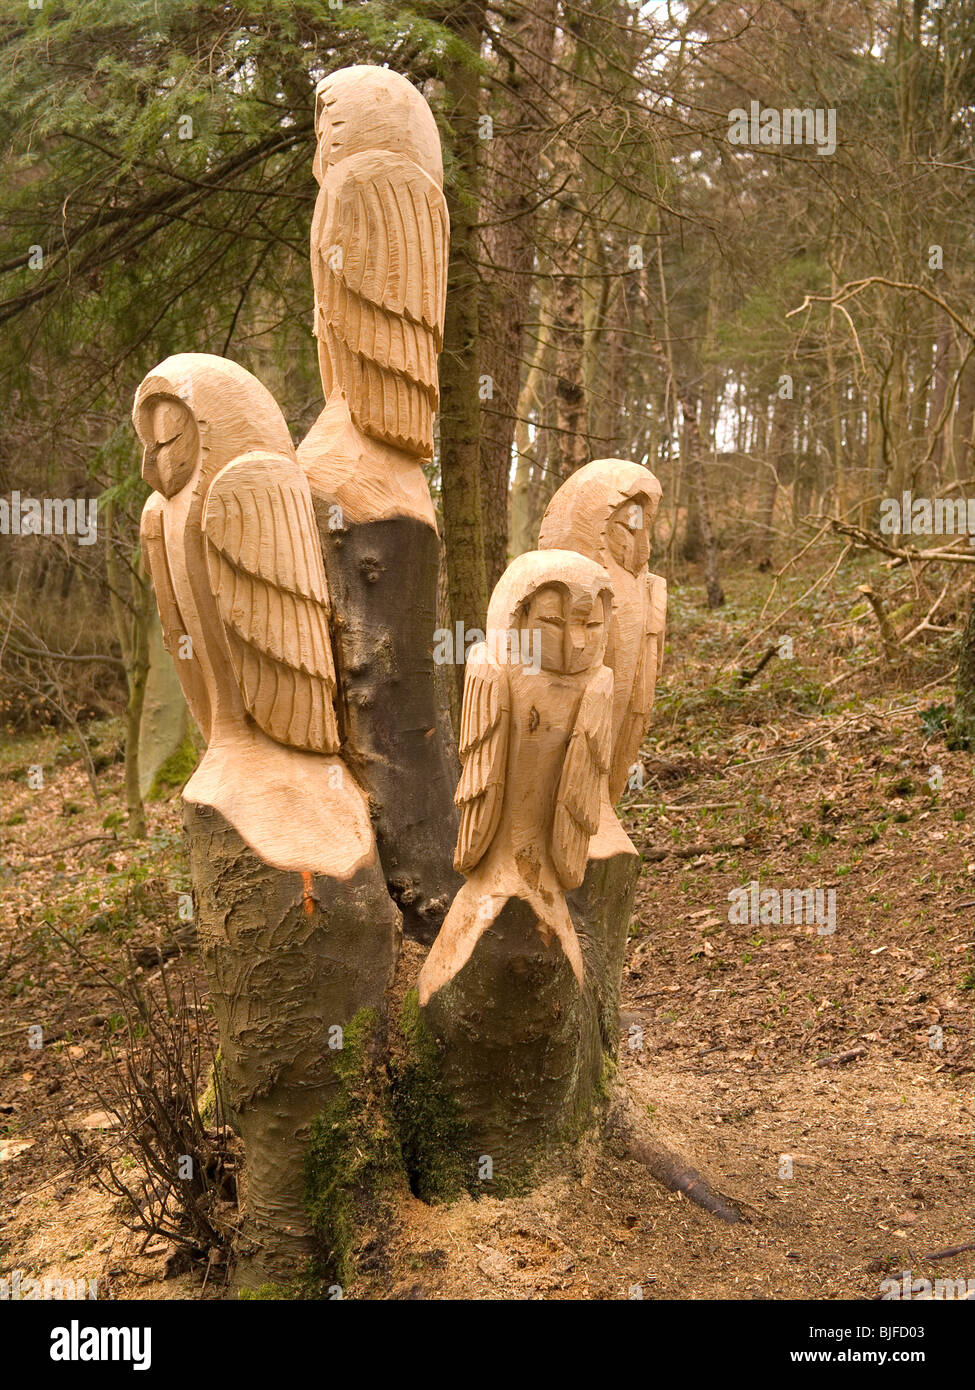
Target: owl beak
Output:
{"points": [[150, 472], [575, 641]]}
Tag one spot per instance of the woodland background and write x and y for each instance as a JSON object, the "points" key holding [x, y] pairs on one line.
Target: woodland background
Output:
{"points": [[623, 282], [620, 275]]}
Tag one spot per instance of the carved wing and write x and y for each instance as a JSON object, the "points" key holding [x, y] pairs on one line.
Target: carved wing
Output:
{"points": [[636, 720], [483, 748], [379, 265], [586, 763], [171, 619], [268, 577]]}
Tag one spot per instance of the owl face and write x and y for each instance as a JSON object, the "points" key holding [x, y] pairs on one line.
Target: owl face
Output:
{"points": [[628, 533], [370, 108], [172, 443], [571, 622]]}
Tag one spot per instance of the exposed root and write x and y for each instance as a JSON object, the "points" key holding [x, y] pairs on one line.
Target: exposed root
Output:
{"points": [[668, 1167]]}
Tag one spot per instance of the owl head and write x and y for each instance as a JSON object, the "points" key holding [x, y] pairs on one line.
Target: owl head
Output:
{"points": [[563, 600], [370, 108], [195, 408], [605, 510]]}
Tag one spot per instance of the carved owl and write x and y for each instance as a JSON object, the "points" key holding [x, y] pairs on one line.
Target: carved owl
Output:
{"points": [[605, 510], [231, 545], [379, 245], [535, 745]]}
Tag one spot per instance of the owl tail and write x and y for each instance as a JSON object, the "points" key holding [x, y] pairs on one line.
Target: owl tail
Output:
{"points": [[472, 913]]}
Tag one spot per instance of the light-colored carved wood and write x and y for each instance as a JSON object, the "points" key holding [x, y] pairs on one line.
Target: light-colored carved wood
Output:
{"points": [[364, 107], [267, 575], [236, 564], [535, 747], [605, 510], [379, 244], [366, 480]]}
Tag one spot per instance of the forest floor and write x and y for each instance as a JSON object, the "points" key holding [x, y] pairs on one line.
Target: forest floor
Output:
{"points": [[822, 1079]]}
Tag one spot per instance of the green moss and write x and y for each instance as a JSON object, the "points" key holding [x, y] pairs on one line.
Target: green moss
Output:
{"points": [[212, 1102], [607, 1075], [310, 1284], [176, 771], [429, 1121], [353, 1162]]}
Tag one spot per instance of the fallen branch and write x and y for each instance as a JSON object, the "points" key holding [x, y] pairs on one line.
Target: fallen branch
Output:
{"points": [[839, 1058], [654, 854], [746, 677], [63, 849], [904, 554], [952, 1250], [887, 634]]}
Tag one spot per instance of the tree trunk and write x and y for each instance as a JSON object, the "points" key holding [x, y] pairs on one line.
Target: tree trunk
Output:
{"points": [[770, 486], [695, 465], [524, 1054], [293, 961], [524, 516], [508, 208], [572, 441], [167, 753], [964, 432], [382, 579], [460, 406], [571, 413], [132, 628], [964, 716]]}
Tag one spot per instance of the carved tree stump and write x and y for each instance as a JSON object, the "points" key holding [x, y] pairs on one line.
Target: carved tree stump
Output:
{"points": [[290, 958], [524, 1052], [382, 578], [520, 1051]]}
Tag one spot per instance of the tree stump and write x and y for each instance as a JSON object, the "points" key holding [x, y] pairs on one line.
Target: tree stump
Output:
{"points": [[601, 909], [520, 1052], [292, 959]]}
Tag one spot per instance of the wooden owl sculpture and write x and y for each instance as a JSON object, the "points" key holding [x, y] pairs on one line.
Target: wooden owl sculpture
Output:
{"points": [[605, 510], [379, 245], [535, 745], [230, 541]]}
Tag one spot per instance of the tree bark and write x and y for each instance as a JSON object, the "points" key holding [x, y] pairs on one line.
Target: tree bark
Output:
{"points": [[460, 412], [508, 209], [382, 579], [525, 1055], [292, 960], [572, 442], [695, 466]]}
